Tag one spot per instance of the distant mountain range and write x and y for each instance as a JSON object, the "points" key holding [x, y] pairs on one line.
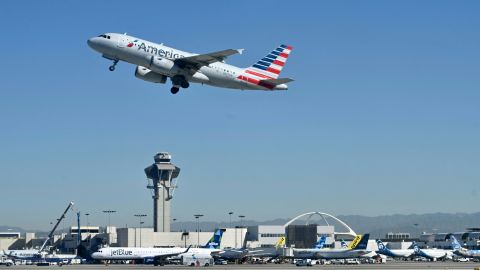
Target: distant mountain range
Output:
{"points": [[378, 226]]}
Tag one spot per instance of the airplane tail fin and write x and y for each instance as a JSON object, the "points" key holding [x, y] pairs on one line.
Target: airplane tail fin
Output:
{"points": [[416, 248], [270, 66], [381, 245], [343, 244], [216, 239], [321, 242], [354, 242], [281, 242], [363, 242], [455, 244]]}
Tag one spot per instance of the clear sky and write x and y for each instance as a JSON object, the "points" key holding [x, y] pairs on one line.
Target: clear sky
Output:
{"points": [[383, 116]]}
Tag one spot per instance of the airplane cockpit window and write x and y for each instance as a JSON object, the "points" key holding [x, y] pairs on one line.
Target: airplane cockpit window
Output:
{"points": [[104, 36], [108, 37]]}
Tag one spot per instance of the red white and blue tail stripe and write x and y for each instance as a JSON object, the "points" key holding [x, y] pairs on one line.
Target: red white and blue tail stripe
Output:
{"points": [[271, 65]]}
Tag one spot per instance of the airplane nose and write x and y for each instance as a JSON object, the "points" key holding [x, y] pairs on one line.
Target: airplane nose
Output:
{"points": [[90, 42]]}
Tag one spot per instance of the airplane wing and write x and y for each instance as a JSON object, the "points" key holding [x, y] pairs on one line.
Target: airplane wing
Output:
{"points": [[168, 255], [201, 60]]}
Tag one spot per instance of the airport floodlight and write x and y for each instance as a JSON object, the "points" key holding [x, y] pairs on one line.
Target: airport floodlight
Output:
{"points": [[230, 214], [197, 217], [109, 212], [162, 174]]}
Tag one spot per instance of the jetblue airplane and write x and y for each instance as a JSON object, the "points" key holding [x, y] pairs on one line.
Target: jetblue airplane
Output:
{"points": [[394, 253], [158, 255], [157, 62], [460, 251]]}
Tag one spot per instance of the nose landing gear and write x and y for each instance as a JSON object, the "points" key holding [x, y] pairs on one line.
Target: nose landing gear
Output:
{"points": [[112, 67]]}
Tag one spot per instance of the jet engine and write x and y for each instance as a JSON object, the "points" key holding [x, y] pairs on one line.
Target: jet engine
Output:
{"points": [[146, 74], [163, 65]]}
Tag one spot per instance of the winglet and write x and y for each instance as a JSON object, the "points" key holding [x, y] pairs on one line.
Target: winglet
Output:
{"points": [[240, 51], [186, 250]]}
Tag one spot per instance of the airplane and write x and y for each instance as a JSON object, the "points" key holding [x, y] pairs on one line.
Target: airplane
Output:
{"points": [[159, 255], [157, 62], [240, 253], [463, 252], [396, 253], [355, 250], [432, 254]]}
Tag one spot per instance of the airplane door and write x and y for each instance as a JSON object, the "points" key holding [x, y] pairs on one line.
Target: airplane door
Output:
{"points": [[122, 41]]}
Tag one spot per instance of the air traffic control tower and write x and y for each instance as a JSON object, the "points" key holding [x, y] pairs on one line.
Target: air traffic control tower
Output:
{"points": [[162, 173]]}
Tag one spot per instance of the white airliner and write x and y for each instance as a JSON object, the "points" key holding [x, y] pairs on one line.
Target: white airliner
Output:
{"points": [[432, 254], [357, 249], [157, 62], [399, 253], [159, 255]]}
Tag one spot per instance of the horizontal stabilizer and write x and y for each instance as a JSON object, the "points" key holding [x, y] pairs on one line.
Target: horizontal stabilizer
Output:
{"points": [[277, 81]]}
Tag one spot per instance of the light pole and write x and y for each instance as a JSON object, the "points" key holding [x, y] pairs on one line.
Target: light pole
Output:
{"points": [[109, 212], [241, 229], [230, 214], [141, 222], [198, 216], [88, 230], [174, 219]]}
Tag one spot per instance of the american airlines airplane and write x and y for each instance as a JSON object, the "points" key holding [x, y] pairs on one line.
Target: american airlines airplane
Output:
{"points": [[159, 255], [157, 62]]}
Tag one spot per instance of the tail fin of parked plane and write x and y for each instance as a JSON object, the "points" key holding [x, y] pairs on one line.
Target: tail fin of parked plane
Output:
{"points": [[354, 242], [455, 244], [381, 245], [216, 239], [281, 242], [321, 242], [363, 242], [270, 66], [343, 244]]}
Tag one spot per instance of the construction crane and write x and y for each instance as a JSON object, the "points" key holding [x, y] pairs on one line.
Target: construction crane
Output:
{"points": [[50, 235]]}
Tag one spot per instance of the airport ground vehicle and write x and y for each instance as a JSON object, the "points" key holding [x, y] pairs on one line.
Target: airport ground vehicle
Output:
{"points": [[303, 262], [197, 260], [4, 260]]}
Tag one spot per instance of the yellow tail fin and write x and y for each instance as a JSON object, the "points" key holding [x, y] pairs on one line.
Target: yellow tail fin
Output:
{"points": [[281, 242], [354, 242]]}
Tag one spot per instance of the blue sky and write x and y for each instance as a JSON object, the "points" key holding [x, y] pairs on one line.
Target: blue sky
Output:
{"points": [[383, 116]]}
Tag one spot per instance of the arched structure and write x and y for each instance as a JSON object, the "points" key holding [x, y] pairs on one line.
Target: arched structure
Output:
{"points": [[350, 231]]}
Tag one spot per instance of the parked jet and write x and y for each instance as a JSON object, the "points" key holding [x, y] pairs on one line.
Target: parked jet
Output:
{"points": [[395, 253], [460, 251], [157, 62], [354, 251], [240, 253], [159, 255], [432, 254]]}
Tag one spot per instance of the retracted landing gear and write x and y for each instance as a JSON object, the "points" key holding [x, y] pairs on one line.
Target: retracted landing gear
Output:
{"points": [[112, 67]]}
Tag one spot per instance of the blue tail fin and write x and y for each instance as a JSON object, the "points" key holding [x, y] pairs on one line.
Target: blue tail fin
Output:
{"points": [[321, 242], [216, 239], [455, 244], [363, 242], [343, 244], [381, 245]]}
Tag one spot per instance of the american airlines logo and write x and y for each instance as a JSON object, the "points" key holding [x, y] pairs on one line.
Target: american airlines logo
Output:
{"points": [[154, 50], [119, 252]]}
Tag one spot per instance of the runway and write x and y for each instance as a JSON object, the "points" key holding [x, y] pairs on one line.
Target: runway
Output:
{"points": [[389, 265]]}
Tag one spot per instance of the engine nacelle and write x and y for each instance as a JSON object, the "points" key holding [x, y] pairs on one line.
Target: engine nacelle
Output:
{"points": [[163, 65], [146, 74]]}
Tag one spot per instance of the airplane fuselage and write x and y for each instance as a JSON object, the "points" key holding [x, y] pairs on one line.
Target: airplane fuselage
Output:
{"points": [[125, 253], [160, 59]]}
